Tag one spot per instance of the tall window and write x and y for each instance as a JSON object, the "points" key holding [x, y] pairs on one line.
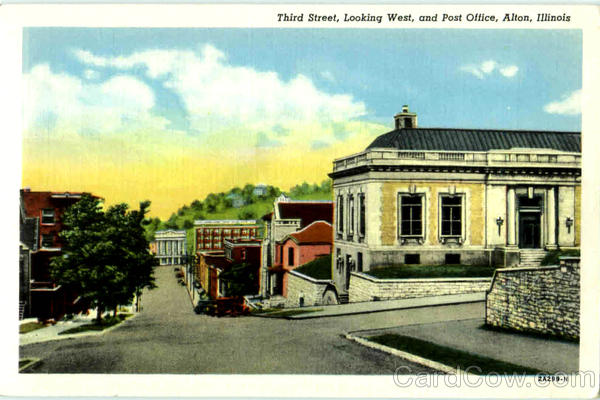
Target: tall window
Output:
{"points": [[48, 216], [411, 215], [340, 220], [361, 214], [351, 214], [47, 240], [290, 256], [451, 215]]}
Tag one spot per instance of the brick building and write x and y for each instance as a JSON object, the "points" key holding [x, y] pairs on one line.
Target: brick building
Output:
{"points": [[299, 248], [210, 234], [42, 214], [221, 244], [288, 216]]}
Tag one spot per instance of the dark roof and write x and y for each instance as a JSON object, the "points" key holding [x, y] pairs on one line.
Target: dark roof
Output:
{"points": [[317, 232], [307, 211], [476, 140]]}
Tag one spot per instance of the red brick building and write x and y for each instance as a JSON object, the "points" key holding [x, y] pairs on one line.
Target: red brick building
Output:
{"points": [[301, 247], [210, 234], [48, 300], [213, 263], [288, 216]]}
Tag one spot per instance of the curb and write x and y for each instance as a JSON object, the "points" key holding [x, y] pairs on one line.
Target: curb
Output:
{"points": [[78, 335], [30, 363], [308, 316], [407, 356]]}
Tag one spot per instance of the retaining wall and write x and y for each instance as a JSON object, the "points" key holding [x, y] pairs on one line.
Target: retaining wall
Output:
{"points": [[364, 287], [310, 289], [537, 299]]}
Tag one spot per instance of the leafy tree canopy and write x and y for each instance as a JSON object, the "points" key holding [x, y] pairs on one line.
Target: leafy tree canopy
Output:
{"points": [[105, 254]]}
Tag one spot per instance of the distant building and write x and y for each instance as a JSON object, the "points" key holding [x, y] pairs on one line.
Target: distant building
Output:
{"points": [[237, 200], [213, 263], [219, 243], [288, 216], [455, 196], [260, 190], [170, 246], [210, 234], [41, 223]]}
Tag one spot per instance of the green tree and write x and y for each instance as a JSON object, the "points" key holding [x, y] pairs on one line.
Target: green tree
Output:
{"points": [[105, 254], [240, 279]]}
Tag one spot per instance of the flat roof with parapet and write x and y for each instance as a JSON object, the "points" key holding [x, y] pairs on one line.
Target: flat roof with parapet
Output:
{"points": [[201, 222], [243, 242]]}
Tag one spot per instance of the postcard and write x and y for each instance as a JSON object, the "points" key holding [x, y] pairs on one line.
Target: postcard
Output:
{"points": [[305, 200]]}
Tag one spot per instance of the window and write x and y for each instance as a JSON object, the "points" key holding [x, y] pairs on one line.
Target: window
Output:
{"points": [[361, 215], [47, 240], [290, 256], [451, 258], [351, 215], [412, 259], [47, 216], [359, 261], [281, 254], [451, 215], [340, 220], [411, 215]]}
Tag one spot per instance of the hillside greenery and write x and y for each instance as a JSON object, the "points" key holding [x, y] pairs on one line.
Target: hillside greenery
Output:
{"points": [[221, 206]]}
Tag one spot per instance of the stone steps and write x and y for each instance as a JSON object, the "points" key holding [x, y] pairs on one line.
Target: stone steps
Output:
{"points": [[531, 258]]}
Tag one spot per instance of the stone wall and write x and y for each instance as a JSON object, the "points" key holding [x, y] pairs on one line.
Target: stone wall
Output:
{"points": [[313, 291], [364, 287], [536, 299]]}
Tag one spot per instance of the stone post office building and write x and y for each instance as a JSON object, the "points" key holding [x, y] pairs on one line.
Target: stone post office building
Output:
{"points": [[455, 196]]}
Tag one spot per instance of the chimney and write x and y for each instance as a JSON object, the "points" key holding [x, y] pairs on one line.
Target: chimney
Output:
{"points": [[405, 119]]}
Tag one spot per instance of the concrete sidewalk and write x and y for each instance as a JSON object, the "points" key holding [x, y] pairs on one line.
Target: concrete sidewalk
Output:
{"points": [[52, 332], [386, 305], [467, 335]]}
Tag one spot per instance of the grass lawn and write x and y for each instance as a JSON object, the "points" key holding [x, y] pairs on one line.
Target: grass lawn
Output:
{"points": [[106, 323], [319, 268], [451, 357], [432, 271], [30, 326]]}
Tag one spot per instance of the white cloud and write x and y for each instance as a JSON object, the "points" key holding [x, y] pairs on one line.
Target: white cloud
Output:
{"points": [[509, 71], [488, 67], [219, 96], [570, 104], [91, 74], [62, 102]]}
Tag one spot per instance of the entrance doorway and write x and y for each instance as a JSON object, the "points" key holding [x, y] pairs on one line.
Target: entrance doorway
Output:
{"points": [[530, 230]]}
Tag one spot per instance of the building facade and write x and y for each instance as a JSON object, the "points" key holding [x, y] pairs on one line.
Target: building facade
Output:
{"points": [[40, 241], [288, 216], [297, 249], [170, 246], [210, 234], [455, 196]]}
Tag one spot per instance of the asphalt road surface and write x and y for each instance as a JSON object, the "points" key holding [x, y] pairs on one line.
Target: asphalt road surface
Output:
{"points": [[168, 337]]}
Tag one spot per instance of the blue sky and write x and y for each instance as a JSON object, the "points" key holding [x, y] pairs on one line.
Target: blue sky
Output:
{"points": [[113, 110], [382, 68]]}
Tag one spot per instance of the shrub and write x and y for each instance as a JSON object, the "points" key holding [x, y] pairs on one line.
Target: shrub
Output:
{"points": [[552, 258]]}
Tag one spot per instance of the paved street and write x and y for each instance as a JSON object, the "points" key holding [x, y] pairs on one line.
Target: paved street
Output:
{"points": [[168, 337]]}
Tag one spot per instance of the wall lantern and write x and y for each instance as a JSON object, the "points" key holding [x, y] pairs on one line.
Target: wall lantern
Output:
{"points": [[499, 222], [569, 223]]}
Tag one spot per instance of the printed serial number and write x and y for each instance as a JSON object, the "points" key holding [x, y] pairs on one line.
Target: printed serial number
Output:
{"points": [[552, 378]]}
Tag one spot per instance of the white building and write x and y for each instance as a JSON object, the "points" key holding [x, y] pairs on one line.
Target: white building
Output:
{"points": [[455, 196], [171, 246]]}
